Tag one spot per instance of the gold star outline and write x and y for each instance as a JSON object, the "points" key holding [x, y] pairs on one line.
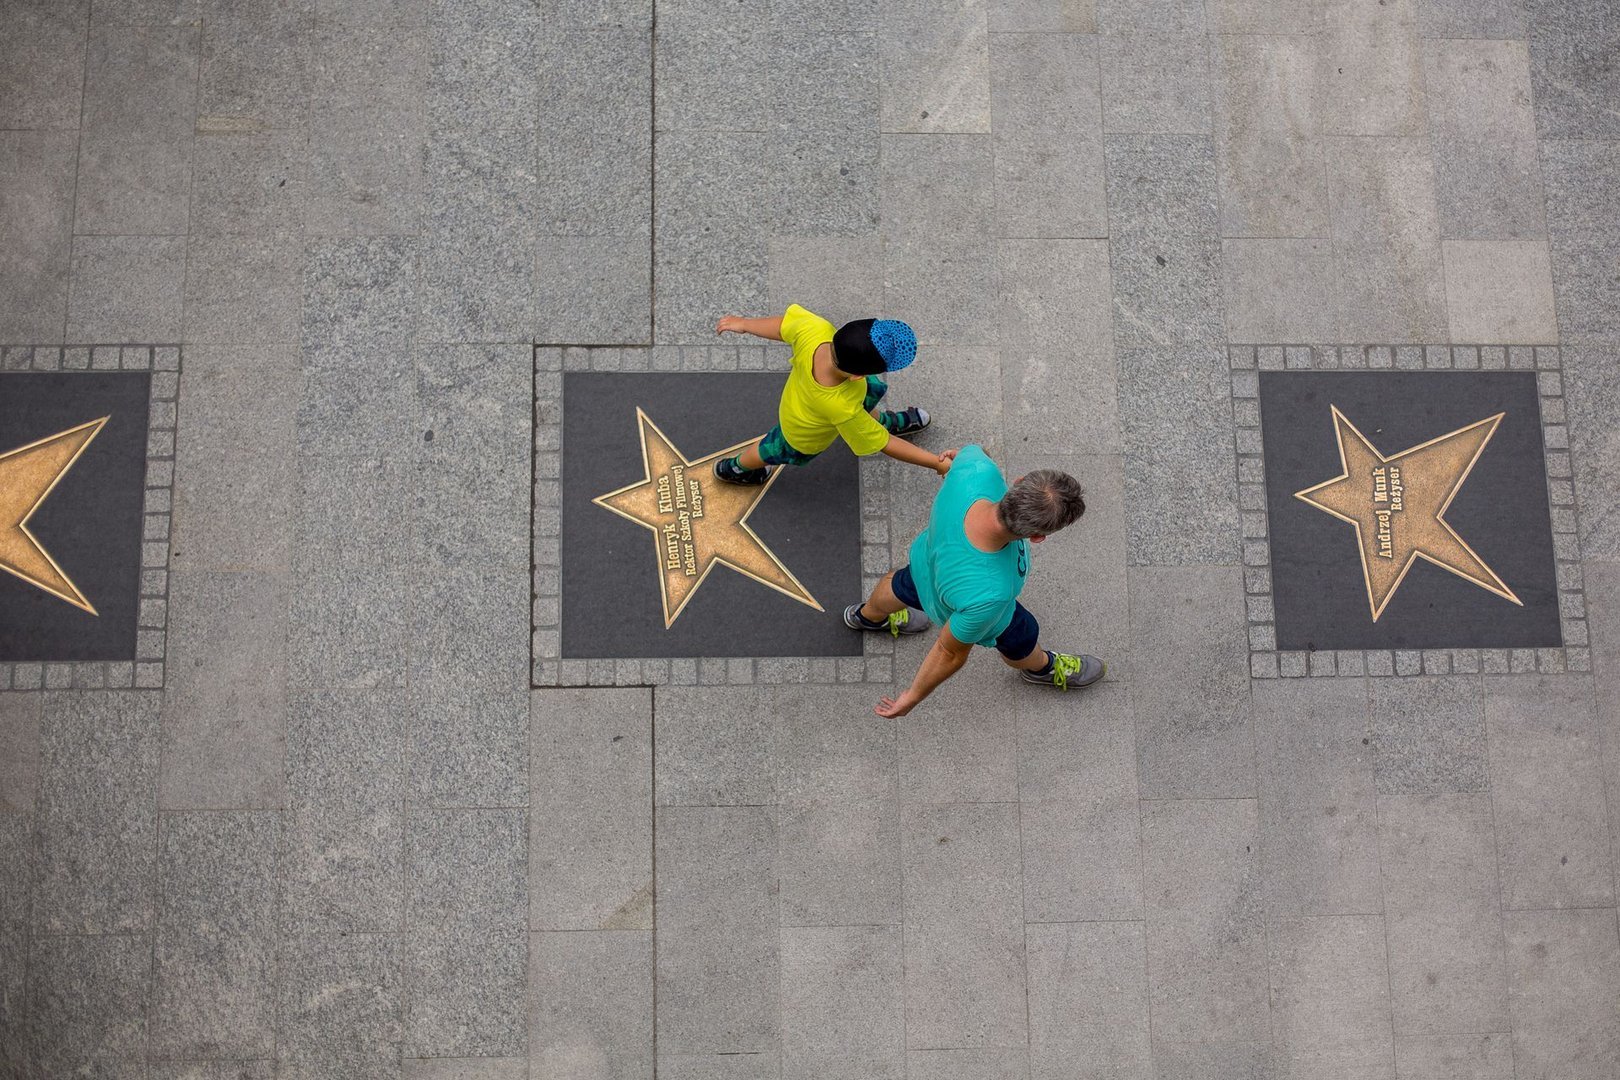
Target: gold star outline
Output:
{"points": [[697, 522], [1397, 506], [28, 475]]}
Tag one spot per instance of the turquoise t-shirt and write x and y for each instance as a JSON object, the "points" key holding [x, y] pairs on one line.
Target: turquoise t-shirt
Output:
{"points": [[975, 591]]}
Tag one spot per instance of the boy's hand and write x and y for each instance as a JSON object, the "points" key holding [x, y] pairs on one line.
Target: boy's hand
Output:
{"points": [[732, 323], [942, 465]]}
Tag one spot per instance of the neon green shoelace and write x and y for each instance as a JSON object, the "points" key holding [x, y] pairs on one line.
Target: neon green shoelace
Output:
{"points": [[1064, 665], [898, 620]]}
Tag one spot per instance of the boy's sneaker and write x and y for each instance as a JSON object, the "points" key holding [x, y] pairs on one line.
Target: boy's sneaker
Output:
{"points": [[728, 470], [908, 422], [1067, 672], [905, 621]]}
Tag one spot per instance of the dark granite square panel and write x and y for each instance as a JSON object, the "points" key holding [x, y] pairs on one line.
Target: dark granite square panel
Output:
{"points": [[91, 521], [810, 519], [1501, 511]]}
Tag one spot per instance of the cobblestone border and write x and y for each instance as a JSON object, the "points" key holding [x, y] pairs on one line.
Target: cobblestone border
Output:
{"points": [[547, 667], [1266, 661], [146, 671]]}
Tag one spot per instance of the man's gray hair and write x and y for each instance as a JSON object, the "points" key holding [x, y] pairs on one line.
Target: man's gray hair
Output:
{"points": [[1041, 503]]}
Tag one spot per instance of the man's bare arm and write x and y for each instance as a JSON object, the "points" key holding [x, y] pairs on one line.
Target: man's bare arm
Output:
{"points": [[943, 660], [768, 327]]}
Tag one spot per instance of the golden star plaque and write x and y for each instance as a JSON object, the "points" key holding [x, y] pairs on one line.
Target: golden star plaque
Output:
{"points": [[1398, 505], [697, 522], [28, 475]]}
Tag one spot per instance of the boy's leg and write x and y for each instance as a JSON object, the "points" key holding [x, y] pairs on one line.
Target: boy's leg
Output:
{"points": [[749, 458], [903, 423]]}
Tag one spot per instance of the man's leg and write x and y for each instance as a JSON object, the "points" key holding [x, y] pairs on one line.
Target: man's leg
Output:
{"points": [[882, 603], [1020, 647], [889, 607]]}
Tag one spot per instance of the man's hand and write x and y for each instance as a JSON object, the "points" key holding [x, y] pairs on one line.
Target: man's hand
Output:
{"points": [[893, 708], [732, 324], [945, 459]]}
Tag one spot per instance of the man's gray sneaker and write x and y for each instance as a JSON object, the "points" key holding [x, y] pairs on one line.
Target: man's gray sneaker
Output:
{"points": [[1068, 672], [904, 621]]}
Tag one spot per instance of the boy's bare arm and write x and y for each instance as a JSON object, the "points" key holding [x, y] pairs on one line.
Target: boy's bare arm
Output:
{"points": [[901, 450], [768, 327]]}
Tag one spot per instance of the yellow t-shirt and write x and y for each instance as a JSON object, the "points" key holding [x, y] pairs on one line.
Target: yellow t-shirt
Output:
{"points": [[813, 415]]}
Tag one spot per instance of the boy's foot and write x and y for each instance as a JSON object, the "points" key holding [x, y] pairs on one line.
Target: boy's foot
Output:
{"points": [[907, 422], [1066, 672], [728, 470], [904, 621]]}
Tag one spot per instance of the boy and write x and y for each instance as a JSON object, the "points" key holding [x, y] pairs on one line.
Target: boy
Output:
{"points": [[833, 390]]}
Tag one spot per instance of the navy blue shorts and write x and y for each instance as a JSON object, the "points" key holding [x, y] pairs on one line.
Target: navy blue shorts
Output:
{"points": [[1015, 643]]}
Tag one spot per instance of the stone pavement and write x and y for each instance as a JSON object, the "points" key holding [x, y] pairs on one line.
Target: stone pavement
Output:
{"points": [[350, 817]]}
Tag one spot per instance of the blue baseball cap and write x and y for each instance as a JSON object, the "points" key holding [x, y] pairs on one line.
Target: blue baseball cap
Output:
{"points": [[870, 346]]}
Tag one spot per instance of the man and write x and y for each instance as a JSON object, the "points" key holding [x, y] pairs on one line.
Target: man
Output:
{"points": [[967, 569]]}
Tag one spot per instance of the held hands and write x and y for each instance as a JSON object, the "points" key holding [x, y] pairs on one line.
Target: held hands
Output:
{"points": [[943, 466], [732, 323]]}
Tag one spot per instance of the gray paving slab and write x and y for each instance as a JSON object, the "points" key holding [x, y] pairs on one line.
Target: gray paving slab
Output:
{"points": [[1562, 967], [16, 898], [1483, 129], [343, 870], [1193, 730], [20, 724], [225, 709], [822, 191], [1500, 290], [1169, 16], [591, 1004], [480, 75], [1386, 239], [967, 755], [841, 1002], [939, 276], [1582, 179], [964, 941], [749, 1066], [1470, 19], [1057, 356], [97, 824], [712, 63], [478, 247], [935, 67], [1279, 290], [254, 69], [466, 992], [1592, 392], [88, 997], [135, 151], [824, 749], [593, 289], [1573, 92], [1603, 583], [1443, 914], [1267, 16], [1156, 82], [147, 12], [1318, 807], [1268, 131], [1547, 792], [42, 74], [1206, 946], [235, 457], [712, 747], [1196, 1060], [1372, 71], [1088, 999], [466, 868], [36, 220], [1179, 473], [1467, 1057], [340, 1008], [839, 277], [710, 256], [1025, 16], [261, 1069], [468, 745], [1428, 735], [838, 863], [1079, 821], [1164, 229], [367, 122], [590, 820], [1330, 996], [718, 954], [243, 290], [359, 291], [214, 971], [1046, 110], [467, 1068], [126, 288]]}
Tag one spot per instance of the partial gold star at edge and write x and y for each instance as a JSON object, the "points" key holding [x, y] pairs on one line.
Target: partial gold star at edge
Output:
{"points": [[697, 522], [28, 475], [1398, 504]]}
